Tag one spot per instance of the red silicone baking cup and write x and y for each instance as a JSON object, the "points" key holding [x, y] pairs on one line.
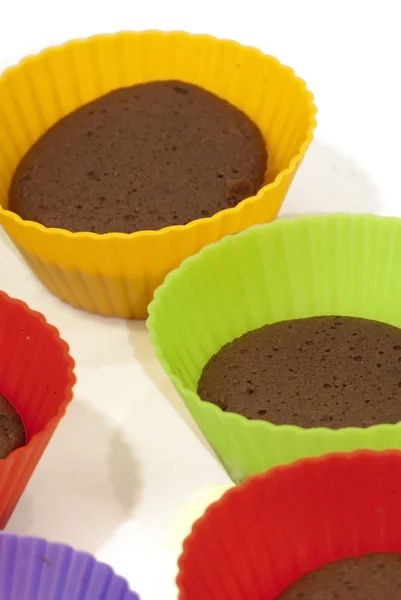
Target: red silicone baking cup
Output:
{"points": [[264, 534], [36, 376]]}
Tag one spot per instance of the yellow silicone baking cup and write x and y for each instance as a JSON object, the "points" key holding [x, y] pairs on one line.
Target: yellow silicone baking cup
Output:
{"points": [[116, 274]]}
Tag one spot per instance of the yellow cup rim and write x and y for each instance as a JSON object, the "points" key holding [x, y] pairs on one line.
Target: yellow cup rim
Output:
{"points": [[285, 173]]}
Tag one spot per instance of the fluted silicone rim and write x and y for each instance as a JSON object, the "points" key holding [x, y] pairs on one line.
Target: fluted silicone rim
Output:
{"points": [[250, 482], [212, 409], [44, 54], [70, 375], [53, 565]]}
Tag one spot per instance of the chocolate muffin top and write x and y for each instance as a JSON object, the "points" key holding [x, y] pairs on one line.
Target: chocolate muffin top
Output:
{"points": [[369, 577], [12, 434], [321, 371], [142, 157]]}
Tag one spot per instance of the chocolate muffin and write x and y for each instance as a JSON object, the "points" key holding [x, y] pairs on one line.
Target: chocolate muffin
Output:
{"points": [[321, 371], [142, 157], [369, 577], [12, 434]]}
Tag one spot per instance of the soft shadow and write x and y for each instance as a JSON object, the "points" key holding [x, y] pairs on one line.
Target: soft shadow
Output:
{"points": [[123, 473], [145, 355], [329, 181], [6, 240], [87, 483]]}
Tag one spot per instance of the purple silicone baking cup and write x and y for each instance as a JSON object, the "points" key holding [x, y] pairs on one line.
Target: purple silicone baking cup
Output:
{"points": [[33, 569]]}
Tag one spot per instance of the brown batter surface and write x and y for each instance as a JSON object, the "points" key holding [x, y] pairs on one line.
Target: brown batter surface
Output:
{"points": [[322, 371], [12, 434], [142, 157], [369, 577]]}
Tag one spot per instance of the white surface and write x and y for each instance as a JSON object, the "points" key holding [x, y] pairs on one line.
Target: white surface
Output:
{"points": [[124, 464]]}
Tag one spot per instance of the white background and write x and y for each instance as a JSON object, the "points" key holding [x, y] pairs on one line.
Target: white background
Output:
{"points": [[121, 469]]}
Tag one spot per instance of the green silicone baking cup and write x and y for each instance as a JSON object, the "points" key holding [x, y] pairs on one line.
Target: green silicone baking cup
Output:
{"points": [[323, 265]]}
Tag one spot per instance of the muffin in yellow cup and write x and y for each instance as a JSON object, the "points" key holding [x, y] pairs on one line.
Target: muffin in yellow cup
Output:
{"points": [[115, 274]]}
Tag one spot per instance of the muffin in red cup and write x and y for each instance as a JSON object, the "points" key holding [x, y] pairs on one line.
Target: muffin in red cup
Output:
{"points": [[273, 535], [36, 382]]}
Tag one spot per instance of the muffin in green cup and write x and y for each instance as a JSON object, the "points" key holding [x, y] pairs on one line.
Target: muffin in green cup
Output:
{"points": [[347, 265]]}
